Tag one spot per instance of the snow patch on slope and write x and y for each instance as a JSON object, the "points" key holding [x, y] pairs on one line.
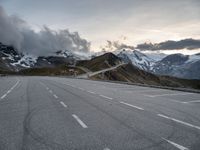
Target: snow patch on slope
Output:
{"points": [[26, 61]]}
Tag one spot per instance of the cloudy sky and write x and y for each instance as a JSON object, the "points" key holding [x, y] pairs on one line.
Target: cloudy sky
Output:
{"points": [[128, 21]]}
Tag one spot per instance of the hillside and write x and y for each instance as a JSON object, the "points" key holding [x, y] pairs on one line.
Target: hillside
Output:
{"points": [[104, 61], [132, 74]]}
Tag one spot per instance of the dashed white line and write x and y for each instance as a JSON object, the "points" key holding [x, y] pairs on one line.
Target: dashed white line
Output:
{"points": [[169, 94], [91, 92], [106, 148], [132, 105], [50, 91], [196, 101], [3, 96], [106, 97], [62, 103], [80, 121], [55, 96], [179, 121], [176, 145]]}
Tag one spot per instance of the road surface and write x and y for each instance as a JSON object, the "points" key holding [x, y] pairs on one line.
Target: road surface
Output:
{"points": [[51, 113]]}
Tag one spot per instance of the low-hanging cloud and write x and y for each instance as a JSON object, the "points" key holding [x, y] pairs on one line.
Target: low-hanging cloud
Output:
{"points": [[190, 44], [16, 32], [116, 45]]}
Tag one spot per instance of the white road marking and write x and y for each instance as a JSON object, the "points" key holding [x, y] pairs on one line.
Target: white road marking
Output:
{"points": [[2, 97], [50, 91], [91, 92], [55, 96], [10, 90], [132, 105], [176, 145], [79, 121], [196, 101], [106, 148], [179, 121], [62, 103], [106, 97], [169, 94]]}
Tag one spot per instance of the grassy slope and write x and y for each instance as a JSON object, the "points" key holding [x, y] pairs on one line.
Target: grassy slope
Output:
{"points": [[102, 62], [129, 73]]}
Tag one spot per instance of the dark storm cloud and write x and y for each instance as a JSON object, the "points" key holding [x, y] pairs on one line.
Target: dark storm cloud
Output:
{"points": [[16, 32], [171, 45]]}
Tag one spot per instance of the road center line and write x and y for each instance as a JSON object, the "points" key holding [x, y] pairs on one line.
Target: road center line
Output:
{"points": [[196, 101], [176, 145], [80, 121], [106, 148], [2, 97], [10, 90], [132, 105], [91, 92], [179, 121], [106, 97], [55, 96], [62, 103]]}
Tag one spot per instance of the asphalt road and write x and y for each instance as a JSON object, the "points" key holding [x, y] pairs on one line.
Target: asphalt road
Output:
{"points": [[51, 113]]}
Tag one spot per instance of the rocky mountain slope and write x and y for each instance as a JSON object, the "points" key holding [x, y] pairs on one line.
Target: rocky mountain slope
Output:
{"points": [[12, 60], [104, 61], [177, 65], [131, 73]]}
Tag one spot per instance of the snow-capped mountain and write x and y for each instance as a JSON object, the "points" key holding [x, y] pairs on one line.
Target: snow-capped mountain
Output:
{"points": [[12, 60], [137, 58], [178, 65]]}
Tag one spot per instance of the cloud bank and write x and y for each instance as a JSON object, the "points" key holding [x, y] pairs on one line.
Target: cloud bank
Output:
{"points": [[15, 32], [190, 44], [116, 45]]}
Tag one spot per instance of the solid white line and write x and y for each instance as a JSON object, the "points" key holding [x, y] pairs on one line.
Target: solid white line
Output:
{"points": [[106, 148], [62, 103], [12, 88], [132, 106], [179, 121], [2, 97], [79, 121], [197, 101], [55, 96], [91, 92], [106, 97], [169, 94], [176, 145], [8, 91]]}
